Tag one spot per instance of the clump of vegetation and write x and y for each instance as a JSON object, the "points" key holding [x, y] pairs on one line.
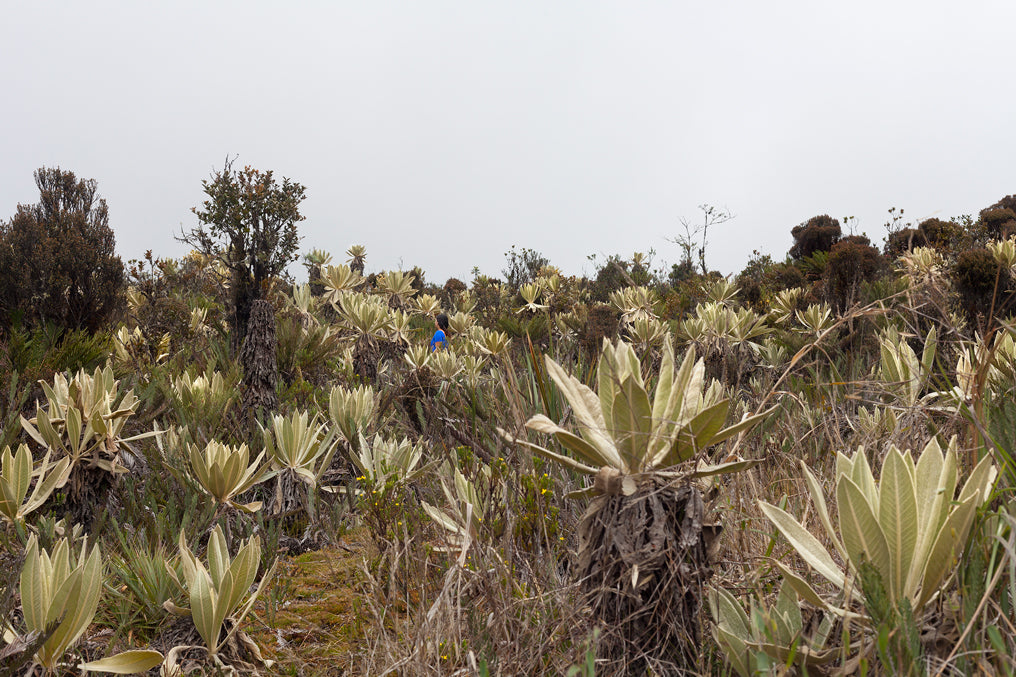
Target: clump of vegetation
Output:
{"points": [[942, 235], [999, 223], [611, 276], [902, 241], [602, 322], [983, 285], [817, 234], [851, 261], [58, 261], [523, 266]]}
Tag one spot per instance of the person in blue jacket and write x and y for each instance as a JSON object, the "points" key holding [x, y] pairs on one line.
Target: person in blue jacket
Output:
{"points": [[440, 340]]}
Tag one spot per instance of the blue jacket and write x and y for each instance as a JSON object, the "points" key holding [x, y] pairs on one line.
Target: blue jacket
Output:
{"points": [[439, 340]]}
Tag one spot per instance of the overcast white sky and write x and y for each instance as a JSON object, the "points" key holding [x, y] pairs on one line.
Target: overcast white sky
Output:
{"points": [[441, 133]]}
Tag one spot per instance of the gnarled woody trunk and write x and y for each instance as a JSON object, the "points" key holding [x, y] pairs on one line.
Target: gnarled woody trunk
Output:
{"points": [[643, 562], [260, 367]]}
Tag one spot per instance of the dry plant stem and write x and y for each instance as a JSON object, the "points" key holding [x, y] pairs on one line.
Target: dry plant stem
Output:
{"points": [[1004, 617], [970, 621], [643, 561], [978, 434], [514, 398]]}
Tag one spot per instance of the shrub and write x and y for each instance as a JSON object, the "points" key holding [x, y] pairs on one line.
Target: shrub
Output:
{"points": [[57, 258], [997, 222], [753, 295], [417, 282], [754, 280], [489, 301], [676, 302], [851, 261], [523, 266], [902, 241], [165, 315], [976, 272], [1008, 202], [855, 239], [613, 275], [982, 284], [194, 277], [679, 272], [603, 323], [787, 276], [640, 273], [941, 235], [451, 291], [454, 286], [817, 234]]}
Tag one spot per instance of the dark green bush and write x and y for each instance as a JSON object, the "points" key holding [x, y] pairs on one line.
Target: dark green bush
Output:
{"points": [[611, 276], [192, 277], [58, 262], [942, 235], [998, 222], [603, 322], [755, 281], [165, 315], [984, 286], [418, 283], [851, 261], [455, 286], [855, 239], [787, 276], [640, 274], [678, 302], [976, 272], [817, 234], [680, 272], [28, 357], [449, 293], [489, 303], [1008, 202], [523, 266], [902, 241]]}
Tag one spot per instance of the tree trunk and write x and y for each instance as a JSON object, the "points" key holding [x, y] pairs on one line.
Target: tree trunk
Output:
{"points": [[317, 287], [258, 359], [244, 297], [643, 563]]}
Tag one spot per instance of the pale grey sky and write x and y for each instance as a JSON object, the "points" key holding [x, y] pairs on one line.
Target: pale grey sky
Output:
{"points": [[441, 133]]}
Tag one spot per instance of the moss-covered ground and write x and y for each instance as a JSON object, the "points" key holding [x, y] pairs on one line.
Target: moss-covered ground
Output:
{"points": [[309, 619]]}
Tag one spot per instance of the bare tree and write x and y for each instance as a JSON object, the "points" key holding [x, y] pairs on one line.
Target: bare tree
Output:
{"points": [[690, 242]]}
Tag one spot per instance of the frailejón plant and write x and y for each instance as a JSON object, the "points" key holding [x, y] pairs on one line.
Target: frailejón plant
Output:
{"points": [[226, 471], [55, 588], [910, 526], [16, 478], [222, 590]]}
